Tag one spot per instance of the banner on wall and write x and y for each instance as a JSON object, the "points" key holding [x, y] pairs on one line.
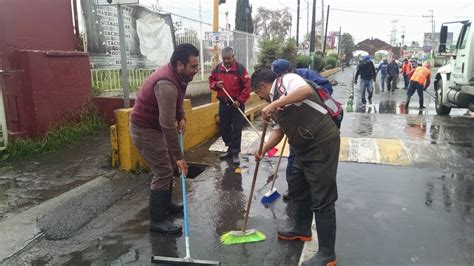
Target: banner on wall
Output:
{"points": [[149, 36]]}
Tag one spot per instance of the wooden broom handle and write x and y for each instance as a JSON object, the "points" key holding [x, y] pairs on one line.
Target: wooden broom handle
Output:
{"points": [[247, 213], [278, 164]]}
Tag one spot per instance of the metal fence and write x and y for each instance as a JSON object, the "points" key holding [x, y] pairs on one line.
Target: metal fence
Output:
{"points": [[3, 120], [104, 80], [192, 31], [200, 34]]}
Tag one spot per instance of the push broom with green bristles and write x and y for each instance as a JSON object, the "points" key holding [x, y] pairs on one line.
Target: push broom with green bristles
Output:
{"points": [[273, 194], [247, 235]]}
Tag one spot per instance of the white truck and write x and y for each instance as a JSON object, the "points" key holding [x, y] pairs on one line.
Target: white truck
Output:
{"points": [[454, 82]]}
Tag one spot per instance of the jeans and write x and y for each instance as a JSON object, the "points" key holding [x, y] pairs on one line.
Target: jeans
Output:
{"points": [[415, 86], [391, 83], [407, 80], [366, 84], [383, 78]]}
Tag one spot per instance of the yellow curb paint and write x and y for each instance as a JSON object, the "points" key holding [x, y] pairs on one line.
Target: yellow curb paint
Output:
{"points": [[393, 152], [344, 149], [201, 126]]}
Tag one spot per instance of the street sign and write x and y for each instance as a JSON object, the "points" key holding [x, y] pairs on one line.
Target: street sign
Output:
{"points": [[216, 38], [116, 2]]}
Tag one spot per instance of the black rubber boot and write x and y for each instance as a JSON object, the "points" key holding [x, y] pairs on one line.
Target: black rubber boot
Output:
{"points": [[326, 228], [301, 229], [173, 208], [159, 200]]}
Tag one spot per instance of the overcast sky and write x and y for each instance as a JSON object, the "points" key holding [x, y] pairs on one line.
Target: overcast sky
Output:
{"points": [[362, 18]]}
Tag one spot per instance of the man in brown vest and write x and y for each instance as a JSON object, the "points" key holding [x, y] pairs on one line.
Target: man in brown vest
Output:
{"points": [[300, 114], [156, 118]]}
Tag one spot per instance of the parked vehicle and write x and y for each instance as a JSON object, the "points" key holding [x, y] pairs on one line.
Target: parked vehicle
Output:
{"points": [[454, 82]]}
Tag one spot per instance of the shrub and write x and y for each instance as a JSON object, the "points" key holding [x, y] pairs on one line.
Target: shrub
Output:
{"points": [[331, 62], [303, 61], [319, 62]]}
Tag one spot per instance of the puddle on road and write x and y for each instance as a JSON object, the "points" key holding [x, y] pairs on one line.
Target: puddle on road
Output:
{"points": [[112, 250], [452, 191]]}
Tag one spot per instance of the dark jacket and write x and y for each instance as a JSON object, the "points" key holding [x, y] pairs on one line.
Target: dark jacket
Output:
{"points": [[366, 70], [383, 69], [392, 69]]}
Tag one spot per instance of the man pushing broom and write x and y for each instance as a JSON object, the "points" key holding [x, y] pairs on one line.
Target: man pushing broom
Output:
{"points": [[296, 107]]}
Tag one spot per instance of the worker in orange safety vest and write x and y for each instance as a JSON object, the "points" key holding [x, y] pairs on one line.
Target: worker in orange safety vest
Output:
{"points": [[419, 81], [406, 69]]}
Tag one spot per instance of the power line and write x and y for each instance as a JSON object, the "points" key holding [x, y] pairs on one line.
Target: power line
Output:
{"points": [[396, 15]]}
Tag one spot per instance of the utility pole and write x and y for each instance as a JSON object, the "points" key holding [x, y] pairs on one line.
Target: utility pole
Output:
{"points": [[215, 29], [393, 35], [298, 24], [227, 28], [322, 21], [201, 58], [433, 41], [326, 32], [403, 36], [123, 58], [307, 17], [339, 46], [312, 42], [247, 12]]}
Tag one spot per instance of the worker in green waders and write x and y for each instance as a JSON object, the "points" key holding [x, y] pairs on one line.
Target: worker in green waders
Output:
{"points": [[299, 113]]}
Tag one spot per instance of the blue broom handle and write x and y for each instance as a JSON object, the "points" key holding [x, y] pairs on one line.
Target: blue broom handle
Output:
{"points": [[185, 205]]}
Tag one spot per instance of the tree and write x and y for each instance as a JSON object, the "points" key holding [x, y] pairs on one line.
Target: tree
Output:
{"points": [[277, 48], [289, 51], [273, 23], [347, 47], [243, 16]]}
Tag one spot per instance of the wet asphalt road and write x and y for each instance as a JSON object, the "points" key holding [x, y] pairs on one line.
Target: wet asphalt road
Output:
{"points": [[386, 215]]}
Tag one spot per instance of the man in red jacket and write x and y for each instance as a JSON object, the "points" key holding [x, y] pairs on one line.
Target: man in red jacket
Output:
{"points": [[233, 78]]}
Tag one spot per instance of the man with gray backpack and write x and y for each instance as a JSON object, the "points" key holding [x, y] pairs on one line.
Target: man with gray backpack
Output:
{"points": [[283, 66], [300, 113]]}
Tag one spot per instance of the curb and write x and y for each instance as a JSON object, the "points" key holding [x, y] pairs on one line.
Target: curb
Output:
{"points": [[62, 216]]}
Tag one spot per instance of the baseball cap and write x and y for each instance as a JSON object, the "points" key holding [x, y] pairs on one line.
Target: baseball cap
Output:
{"points": [[281, 66]]}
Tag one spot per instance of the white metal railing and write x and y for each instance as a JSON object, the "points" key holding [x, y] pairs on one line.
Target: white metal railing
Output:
{"points": [[3, 120], [104, 80]]}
